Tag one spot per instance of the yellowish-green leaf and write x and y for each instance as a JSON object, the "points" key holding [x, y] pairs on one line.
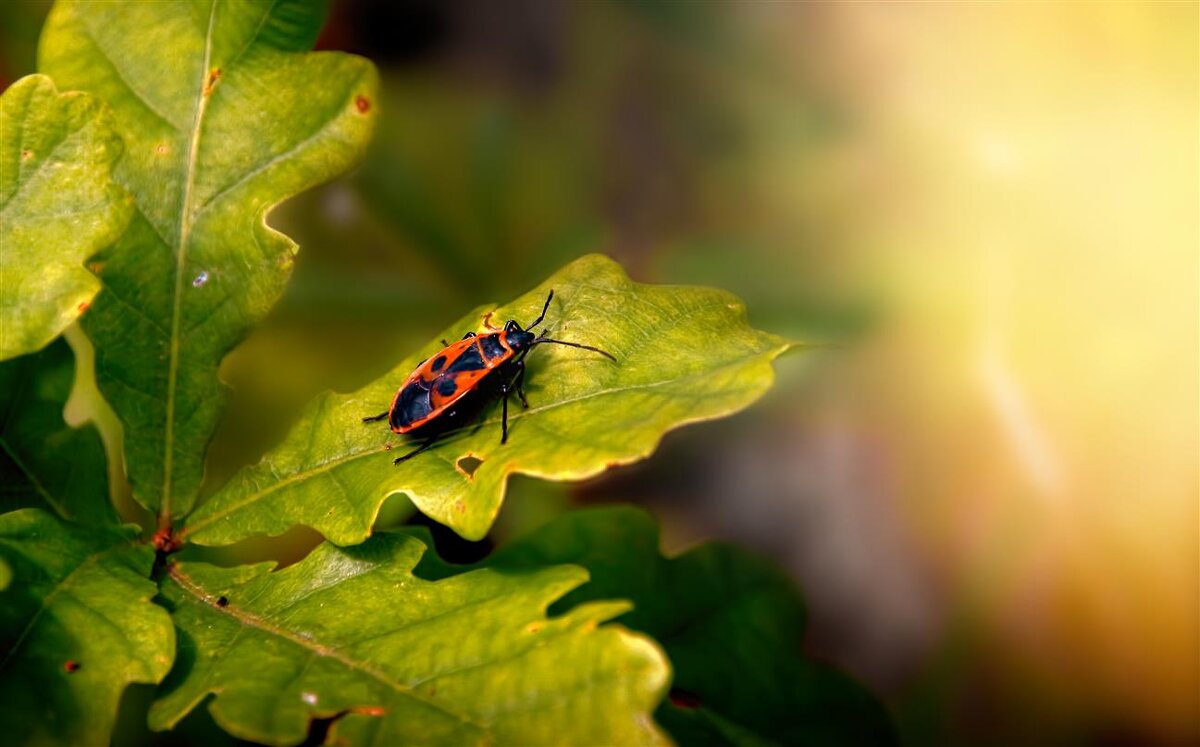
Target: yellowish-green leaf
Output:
{"points": [[471, 660], [223, 114], [58, 206], [76, 627], [683, 354]]}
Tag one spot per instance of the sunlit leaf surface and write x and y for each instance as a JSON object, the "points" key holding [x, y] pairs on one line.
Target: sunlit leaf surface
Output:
{"points": [[223, 115], [58, 206], [683, 354], [350, 632]]}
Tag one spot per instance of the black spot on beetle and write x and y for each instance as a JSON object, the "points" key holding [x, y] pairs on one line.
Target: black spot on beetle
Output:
{"points": [[447, 386], [439, 362], [492, 347], [470, 360]]}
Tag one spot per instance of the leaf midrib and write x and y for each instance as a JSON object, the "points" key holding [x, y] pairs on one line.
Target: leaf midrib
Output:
{"points": [[185, 227], [330, 464]]}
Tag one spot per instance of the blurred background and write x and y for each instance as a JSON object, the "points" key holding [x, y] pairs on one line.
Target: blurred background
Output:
{"points": [[987, 490]]}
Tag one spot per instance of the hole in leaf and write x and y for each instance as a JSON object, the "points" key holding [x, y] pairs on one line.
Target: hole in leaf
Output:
{"points": [[468, 465]]}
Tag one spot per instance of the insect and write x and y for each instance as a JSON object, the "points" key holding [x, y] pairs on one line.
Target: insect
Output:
{"points": [[451, 387]]}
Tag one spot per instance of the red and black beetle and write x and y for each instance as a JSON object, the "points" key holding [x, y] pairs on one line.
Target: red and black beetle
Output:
{"points": [[451, 387]]}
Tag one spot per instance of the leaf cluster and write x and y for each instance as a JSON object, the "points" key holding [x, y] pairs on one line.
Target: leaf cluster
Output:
{"points": [[136, 175]]}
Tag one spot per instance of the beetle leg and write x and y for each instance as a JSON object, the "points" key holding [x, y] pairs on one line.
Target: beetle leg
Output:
{"points": [[374, 418], [504, 390], [519, 383], [468, 335], [427, 443]]}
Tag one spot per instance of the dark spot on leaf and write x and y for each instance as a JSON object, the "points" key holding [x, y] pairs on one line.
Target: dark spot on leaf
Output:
{"points": [[439, 363], [468, 465], [26, 155], [362, 103], [72, 666], [222, 601], [387, 446], [684, 699]]}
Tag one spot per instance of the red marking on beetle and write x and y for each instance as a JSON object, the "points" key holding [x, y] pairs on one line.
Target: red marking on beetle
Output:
{"points": [[684, 699], [214, 77], [362, 103], [222, 601], [72, 666]]}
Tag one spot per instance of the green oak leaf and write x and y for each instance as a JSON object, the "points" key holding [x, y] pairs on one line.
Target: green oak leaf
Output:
{"points": [[58, 206], [683, 354], [76, 626], [45, 463], [224, 114], [731, 624], [351, 632]]}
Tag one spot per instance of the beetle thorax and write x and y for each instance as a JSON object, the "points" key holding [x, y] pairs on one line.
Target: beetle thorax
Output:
{"points": [[518, 339]]}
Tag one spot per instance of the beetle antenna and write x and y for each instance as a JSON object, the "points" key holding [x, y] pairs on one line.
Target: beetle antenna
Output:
{"points": [[540, 340], [538, 321]]}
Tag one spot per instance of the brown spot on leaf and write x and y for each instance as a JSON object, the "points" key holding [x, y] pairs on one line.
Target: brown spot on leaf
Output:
{"points": [[684, 699], [162, 149], [165, 541], [96, 267], [26, 155], [83, 307], [369, 710], [534, 628], [222, 601], [72, 666], [214, 77], [362, 103], [460, 507]]}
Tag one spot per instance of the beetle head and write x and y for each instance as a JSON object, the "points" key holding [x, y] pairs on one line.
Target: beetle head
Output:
{"points": [[517, 338]]}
